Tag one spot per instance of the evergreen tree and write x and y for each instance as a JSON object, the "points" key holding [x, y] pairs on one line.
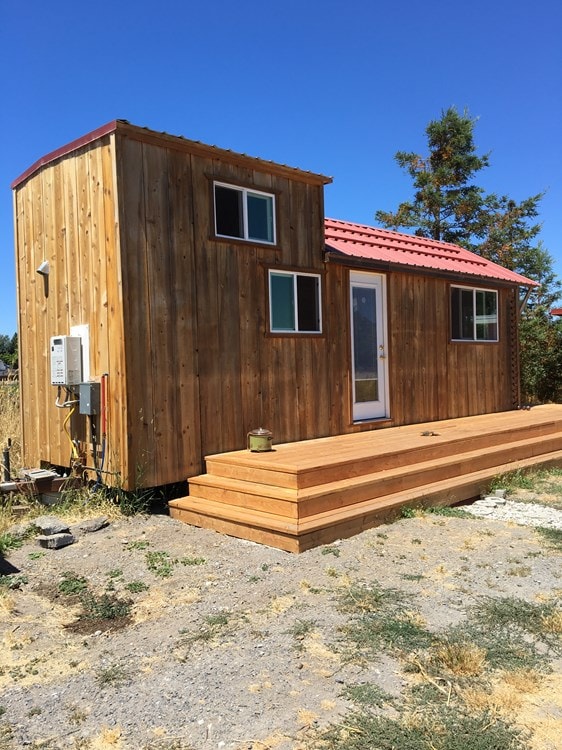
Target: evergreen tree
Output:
{"points": [[448, 206]]}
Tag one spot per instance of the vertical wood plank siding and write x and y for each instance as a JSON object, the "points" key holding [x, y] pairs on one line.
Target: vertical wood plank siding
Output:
{"points": [[179, 319], [65, 213]]}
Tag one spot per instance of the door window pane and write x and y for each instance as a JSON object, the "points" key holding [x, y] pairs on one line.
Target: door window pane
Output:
{"points": [[365, 360]]}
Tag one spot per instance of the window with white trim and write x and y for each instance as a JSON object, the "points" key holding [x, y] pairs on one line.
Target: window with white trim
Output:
{"points": [[474, 314], [294, 302], [244, 214]]}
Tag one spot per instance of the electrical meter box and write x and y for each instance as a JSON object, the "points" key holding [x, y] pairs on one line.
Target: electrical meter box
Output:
{"points": [[66, 360]]}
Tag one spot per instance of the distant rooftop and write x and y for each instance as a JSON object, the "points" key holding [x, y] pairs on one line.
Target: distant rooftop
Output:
{"points": [[388, 248]]}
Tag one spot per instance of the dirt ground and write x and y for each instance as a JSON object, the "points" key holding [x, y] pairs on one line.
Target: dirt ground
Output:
{"points": [[224, 643]]}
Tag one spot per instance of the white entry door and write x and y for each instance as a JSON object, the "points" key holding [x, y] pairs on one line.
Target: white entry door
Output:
{"points": [[368, 345]]}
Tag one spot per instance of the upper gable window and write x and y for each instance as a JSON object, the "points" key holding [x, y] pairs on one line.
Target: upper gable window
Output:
{"points": [[474, 314], [244, 214]]}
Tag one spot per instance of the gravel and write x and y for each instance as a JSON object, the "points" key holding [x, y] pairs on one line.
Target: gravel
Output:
{"points": [[228, 644]]}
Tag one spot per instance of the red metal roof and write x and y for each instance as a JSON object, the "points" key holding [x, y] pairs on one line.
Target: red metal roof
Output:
{"points": [[556, 311], [394, 248]]}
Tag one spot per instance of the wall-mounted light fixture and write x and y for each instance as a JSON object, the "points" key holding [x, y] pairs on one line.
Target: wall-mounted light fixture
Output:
{"points": [[43, 269]]}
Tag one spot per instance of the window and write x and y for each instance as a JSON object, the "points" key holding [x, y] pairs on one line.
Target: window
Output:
{"points": [[294, 302], [474, 314], [244, 214]]}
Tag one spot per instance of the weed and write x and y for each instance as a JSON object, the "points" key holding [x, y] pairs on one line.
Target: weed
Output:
{"points": [[553, 537], [160, 563], [9, 542], [71, 584], [117, 573], [139, 544], [368, 695], [520, 571], [444, 728], [380, 621], [218, 620], [416, 541], [265, 567], [214, 623], [461, 658], [14, 581], [35, 711], [135, 587], [407, 512], [113, 675], [520, 479], [76, 716], [192, 560], [36, 555], [300, 630], [332, 572], [104, 607], [331, 551], [449, 511], [412, 576]]}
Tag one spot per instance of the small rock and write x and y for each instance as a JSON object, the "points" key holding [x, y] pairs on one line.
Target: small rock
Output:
{"points": [[50, 525], [93, 524], [55, 541]]}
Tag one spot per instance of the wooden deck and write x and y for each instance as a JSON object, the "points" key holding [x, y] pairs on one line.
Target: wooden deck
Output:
{"points": [[301, 495]]}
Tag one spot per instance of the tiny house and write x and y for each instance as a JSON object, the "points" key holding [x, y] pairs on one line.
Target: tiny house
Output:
{"points": [[209, 296]]}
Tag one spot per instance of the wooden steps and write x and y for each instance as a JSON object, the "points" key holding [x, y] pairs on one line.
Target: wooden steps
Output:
{"points": [[304, 494]]}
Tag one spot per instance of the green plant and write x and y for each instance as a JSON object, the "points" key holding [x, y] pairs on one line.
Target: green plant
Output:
{"points": [[335, 551], [160, 563], [300, 630], [553, 537], [13, 581], [117, 573], [104, 607], [449, 511], [115, 674], [138, 544], [407, 512], [135, 587], [9, 542], [71, 584], [192, 560], [368, 695], [36, 555]]}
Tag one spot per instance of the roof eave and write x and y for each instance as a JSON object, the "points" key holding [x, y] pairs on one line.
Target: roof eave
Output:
{"points": [[335, 256]]}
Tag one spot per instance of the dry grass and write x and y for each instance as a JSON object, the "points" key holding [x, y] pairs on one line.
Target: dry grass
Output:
{"points": [[10, 422]]}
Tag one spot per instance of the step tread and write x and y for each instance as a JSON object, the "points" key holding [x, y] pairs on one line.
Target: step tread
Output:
{"points": [[330, 517], [293, 495]]}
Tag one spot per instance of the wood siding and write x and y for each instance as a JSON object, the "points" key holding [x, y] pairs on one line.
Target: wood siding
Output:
{"points": [[66, 213], [179, 319]]}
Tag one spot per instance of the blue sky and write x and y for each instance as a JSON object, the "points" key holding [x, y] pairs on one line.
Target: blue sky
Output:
{"points": [[332, 87]]}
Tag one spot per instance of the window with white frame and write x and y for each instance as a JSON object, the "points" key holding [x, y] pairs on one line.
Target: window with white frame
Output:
{"points": [[244, 214], [294, 302], [474, 314]]}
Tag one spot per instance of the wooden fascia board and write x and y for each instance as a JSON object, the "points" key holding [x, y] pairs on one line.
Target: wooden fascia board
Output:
{"points": [[197, 148], [374, 265]]}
